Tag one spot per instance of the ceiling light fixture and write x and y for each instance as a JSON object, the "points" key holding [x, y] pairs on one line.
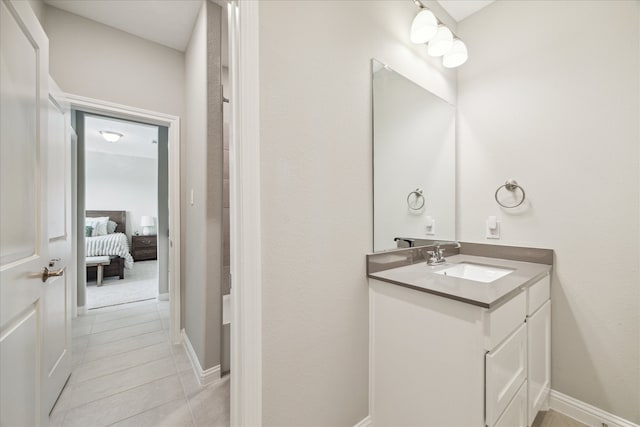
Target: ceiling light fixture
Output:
{"points": [[110, 136], [427, 28]]}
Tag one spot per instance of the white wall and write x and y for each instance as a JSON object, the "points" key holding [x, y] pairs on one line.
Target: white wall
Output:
{"points": [[550, 97], [115, 182], [97, 61], [315, 117]]}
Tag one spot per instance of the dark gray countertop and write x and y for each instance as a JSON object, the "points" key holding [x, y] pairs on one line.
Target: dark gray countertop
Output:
{"points": [[422, 277]]}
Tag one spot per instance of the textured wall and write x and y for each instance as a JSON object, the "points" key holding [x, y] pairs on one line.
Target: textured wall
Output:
{"points": [[203, 153], [316, 144], [550, 97]]}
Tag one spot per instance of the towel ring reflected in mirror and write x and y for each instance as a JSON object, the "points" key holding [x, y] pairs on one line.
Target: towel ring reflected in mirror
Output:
{"points": [[511, 185], [415, 200]]}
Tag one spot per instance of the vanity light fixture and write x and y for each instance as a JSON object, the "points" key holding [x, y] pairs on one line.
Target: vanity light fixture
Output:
{"points": [[441, 43], [424, 26], [110, 136], [440, 40], [456, 56]]}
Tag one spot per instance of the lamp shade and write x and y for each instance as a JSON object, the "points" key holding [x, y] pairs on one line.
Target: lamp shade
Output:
{"points": [[423, 27], [441, 43], [146, 221], [456, 56]]}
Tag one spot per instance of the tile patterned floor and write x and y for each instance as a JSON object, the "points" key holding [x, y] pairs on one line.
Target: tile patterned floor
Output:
{"points": [[125, 373], [555, 419]]}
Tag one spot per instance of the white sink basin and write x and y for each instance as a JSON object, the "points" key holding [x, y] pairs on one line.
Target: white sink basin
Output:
{"points": [[476, 272]]}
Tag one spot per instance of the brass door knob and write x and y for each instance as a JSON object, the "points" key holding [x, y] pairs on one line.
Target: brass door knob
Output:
{"points": [[46, 273]]}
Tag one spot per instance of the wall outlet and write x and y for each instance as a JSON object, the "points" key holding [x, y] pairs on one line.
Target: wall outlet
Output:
{"points": [[492, 228], [430, 227]]}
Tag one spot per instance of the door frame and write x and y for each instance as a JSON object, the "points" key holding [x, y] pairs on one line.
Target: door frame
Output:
{"points": [[120, 111], [245, 218]]}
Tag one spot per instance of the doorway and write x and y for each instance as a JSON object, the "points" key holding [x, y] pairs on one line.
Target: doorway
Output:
{"points": [[123, 171], [166, 227]]}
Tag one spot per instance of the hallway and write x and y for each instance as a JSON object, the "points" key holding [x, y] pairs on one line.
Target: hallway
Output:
{"points": [[127, 374]]}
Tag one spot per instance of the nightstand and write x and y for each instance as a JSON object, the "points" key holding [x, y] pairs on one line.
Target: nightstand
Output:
{"points": [[144, 247]]}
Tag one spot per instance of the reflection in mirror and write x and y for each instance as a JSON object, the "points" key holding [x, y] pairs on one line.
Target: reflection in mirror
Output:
{"points": [[413, 162]]}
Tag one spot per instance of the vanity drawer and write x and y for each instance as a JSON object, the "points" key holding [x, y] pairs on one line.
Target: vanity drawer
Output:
{"points": [[506, 371], [516, 413], [502, 321], [538, 294]]}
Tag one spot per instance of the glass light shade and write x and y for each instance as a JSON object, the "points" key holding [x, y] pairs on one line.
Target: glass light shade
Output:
{"points": [[110, 136], [424, 26], [456, 56], [441, 43]]}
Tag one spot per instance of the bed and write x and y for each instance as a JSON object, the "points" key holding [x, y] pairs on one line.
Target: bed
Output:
{"points": [[115, 246]]}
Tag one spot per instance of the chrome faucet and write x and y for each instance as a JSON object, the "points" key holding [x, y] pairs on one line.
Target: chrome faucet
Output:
{"points": [[407, 240], [437, 254]]}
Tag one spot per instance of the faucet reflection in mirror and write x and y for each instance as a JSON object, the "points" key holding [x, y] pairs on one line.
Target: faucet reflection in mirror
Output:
{"points": [[440, 40], [413, 162]]}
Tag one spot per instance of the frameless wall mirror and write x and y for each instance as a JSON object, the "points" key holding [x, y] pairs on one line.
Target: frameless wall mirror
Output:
{"points": [[413, 161]]}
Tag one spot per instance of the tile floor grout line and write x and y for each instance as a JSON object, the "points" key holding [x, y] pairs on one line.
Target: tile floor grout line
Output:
{"points": [[120, 339], [146, 410], [121, 391], [119, 353], [125, 326], [142, 313], [114, 329], [122, 370], [184, 393]]}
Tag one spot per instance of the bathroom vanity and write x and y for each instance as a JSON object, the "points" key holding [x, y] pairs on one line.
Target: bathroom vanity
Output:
{"points": [[457, 351]]}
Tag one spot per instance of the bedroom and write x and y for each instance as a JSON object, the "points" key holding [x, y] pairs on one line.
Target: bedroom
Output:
{"points": [[122, 175]]}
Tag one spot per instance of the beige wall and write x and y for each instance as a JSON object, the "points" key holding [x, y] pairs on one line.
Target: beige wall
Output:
{"points": [[550, 97], [202, 220], [315, 115], [97, 61]]}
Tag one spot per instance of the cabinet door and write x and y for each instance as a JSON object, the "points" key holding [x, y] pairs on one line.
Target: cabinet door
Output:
{"points": [[506, 370], [516, 413], [539, 353]]}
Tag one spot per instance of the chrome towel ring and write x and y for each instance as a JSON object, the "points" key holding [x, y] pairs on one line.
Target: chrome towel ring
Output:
{"points": [[415, 200], [511, 185]]}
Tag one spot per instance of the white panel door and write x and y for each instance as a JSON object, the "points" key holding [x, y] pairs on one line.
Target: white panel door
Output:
{"points": [[57, 293], [24, 59], [539, 349]]}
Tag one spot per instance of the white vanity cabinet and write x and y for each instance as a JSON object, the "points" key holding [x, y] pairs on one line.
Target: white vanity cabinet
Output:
{"points": [[436, 361]]}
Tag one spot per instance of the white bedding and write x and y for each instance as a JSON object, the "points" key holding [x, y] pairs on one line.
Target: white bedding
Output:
{"points": [[111, 244]]}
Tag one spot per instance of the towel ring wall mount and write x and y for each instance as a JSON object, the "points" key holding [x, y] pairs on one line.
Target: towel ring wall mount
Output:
{"points": [[415, 200], [511, 185]]}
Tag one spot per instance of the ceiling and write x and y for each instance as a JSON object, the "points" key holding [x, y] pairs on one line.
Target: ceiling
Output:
{"points": [[460, 9], [137, 139], [167, 22]]}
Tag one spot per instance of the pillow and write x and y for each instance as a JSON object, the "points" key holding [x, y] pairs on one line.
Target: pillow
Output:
{"points": [[99, 225], [88, 230], [111, 227]]}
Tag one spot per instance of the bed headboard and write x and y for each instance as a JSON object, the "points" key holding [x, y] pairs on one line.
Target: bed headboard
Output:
{"points": [[119, 217]]}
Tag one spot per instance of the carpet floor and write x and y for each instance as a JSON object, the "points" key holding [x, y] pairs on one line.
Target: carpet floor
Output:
{"points": [[139, 283]]}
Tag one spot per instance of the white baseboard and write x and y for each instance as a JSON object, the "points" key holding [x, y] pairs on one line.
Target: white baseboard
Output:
{"points": [[366, 422], [163, 297], [584, 412], [204, 376]]}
